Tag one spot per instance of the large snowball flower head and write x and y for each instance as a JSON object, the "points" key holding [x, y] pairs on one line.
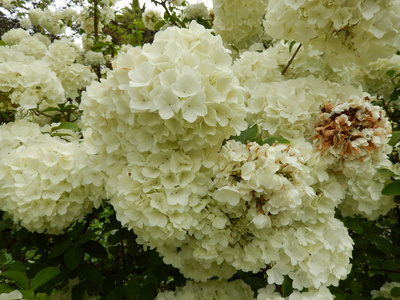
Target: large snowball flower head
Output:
{"points": [[42, 181], [253, 218], [346, 30], [177, 93]]}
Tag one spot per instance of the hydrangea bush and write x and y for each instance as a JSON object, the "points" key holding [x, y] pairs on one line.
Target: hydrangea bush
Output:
{"points": [[247, 152]]}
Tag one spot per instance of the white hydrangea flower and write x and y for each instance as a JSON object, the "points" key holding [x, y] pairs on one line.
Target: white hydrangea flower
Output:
{"points": [[30, 84], [150, 18], [270, 293], [94, 58], [344, 30], [249, 223], [177, 93], [14, 295], [193, 11], [47, 184], [14, 36], [210, 290], [385, 291], [239, 23], [7, 4]]}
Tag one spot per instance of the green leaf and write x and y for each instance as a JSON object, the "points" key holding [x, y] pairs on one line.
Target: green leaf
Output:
{"points": [[356, 287], [66, 125], [395, 292], [275, 140], [95, 249], [395, 138], [383, 244], [390, 73], [51, 109], [42, 296], [287, 287], [43, 276], [59, 249], [292, 43], [385, 171], [5, 288], [3, 257], [86, 237], [392, 188], [247, 135], [18, 277], [28, 294], [16, 266], [73, 257], [78, 292], [90, 273], [5, 224]]}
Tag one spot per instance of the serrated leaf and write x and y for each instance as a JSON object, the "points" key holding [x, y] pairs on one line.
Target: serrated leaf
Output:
{"points": [[66, 125], [395, 138], [392, 188], [247, 135], [275, 140], [59, 249], [43, 276], [18, 277], [73, 257]]}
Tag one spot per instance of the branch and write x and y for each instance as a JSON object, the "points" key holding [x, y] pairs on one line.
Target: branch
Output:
{"points": [[291, 60]]}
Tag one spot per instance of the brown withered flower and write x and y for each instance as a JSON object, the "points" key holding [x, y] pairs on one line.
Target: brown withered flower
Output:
{"points": [[352, 129]]}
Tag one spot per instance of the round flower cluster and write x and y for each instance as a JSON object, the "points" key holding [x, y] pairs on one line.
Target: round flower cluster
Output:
{"points": [[62, 56], [352, 130], [210, 290], [37, 73], [194, 11], [249, 223], [239, 23], [52, 21], [150, 18], [384, 291], [178, 93], [46, 183], [30, 83], [346, 30], [270, 293]]}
